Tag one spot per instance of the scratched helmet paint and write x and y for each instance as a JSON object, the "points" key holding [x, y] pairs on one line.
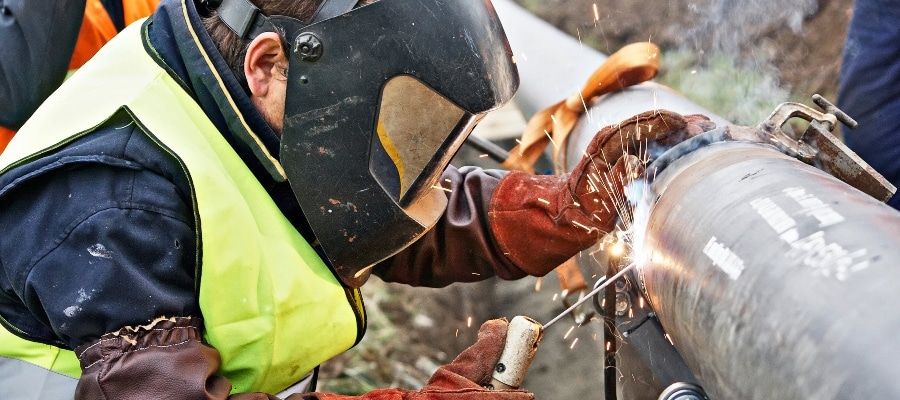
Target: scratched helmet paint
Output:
{"points": [[379, 99]]}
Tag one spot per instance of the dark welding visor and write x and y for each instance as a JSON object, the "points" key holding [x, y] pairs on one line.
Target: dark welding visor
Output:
{"points": [[379, 99]]}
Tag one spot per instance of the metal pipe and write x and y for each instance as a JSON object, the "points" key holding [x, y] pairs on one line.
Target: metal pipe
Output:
{"points": [[554, 65], [774, 279]]}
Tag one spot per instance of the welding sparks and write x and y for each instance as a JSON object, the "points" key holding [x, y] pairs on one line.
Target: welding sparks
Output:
{"points": [[573, 344], [621, 194], [582, 226], [469, 322], [549, 136], [596, 13], [441, 188]]}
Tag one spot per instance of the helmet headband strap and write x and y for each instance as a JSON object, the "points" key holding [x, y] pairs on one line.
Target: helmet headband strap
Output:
{"points": [[248, 22], [244, 18], [332, 8]]}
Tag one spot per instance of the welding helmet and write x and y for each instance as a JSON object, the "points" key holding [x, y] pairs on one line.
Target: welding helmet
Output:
{"points": [[379, 99]]}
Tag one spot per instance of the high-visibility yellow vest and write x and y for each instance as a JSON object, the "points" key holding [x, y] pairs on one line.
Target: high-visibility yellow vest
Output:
{"points": [[271, 306]]}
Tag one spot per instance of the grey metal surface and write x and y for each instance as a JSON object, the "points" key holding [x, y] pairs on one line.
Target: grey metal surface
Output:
{"points": [[552, 65], [774, 279]]}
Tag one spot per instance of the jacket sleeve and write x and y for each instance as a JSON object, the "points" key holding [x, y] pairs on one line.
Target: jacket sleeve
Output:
{"points": [[110, 242], [460, 247], [38, 38]]}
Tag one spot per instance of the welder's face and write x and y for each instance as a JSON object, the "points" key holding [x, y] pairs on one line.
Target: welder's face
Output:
{"points": [[271, 106], [274, 114]]}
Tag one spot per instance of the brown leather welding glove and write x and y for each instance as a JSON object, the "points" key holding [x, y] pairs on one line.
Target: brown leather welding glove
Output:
{"points": [[540, 221], [462, 379], [163, 360]]}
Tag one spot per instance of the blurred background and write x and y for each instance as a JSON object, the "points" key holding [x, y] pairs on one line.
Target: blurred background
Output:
{"points": [[737, 58]]}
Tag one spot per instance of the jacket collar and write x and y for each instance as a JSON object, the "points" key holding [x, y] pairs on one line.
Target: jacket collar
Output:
{"points": [[176, 38]]}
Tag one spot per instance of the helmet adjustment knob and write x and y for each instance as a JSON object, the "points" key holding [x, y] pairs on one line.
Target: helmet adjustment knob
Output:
{"points": [[308, 46]]}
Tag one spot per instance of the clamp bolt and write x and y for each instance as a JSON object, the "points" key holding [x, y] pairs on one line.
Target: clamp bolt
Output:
{"points": [[833, 110]]}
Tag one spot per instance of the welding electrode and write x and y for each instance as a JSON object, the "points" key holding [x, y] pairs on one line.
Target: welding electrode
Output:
{"points": [[605, 283], [522, 338]]}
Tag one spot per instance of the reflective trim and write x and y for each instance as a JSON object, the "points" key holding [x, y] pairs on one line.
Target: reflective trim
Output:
{"points": [[22, 380], [43, 355]]}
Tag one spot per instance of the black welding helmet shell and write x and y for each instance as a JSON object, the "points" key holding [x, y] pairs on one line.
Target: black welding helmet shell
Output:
{"points": [[379, 99]]}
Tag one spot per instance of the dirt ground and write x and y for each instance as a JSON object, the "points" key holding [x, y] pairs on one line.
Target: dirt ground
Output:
{"points": [[413, 330], [801, 40]]}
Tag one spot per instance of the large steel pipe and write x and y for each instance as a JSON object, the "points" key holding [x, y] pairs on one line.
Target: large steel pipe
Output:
{"points": [[554, 66], [773, 279]]}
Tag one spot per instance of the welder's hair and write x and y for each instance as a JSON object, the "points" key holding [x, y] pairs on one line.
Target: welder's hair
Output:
{"points": [[234, 49]]}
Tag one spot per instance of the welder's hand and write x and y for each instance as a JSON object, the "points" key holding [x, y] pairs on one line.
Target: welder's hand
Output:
{"points": [[462, 379], [540, 221]]}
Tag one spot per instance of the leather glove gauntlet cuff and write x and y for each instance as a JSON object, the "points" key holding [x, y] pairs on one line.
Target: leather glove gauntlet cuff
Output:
{"points": [[158, 360], [539, 224]]}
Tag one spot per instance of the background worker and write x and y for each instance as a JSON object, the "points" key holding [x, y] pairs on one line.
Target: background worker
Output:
{"points": [[41, 40], [870, 86], [204, 198]]}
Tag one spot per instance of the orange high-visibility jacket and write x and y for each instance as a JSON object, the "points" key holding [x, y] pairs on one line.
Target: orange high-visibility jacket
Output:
{"points": [[96, 29]]}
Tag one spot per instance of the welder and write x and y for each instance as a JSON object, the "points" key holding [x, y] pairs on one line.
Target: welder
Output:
{"points": [[191, 215], [45, 39], [868, 92]]}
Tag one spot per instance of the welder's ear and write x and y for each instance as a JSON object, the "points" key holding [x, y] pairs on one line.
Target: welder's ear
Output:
{"points": [[264, 64]]}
